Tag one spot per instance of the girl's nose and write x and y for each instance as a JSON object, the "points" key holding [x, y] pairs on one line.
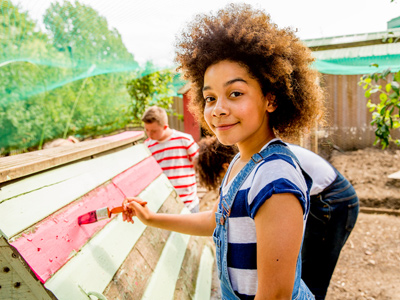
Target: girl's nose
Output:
{"points": [[220, 109]]}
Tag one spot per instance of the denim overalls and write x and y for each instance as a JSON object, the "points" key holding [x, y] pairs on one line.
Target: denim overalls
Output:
{"points": [[220, 235]]}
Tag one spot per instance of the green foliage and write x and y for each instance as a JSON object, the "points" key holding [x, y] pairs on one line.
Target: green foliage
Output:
{"points": [[385, 114], [146, 90], [80, 32], [67, 81]]}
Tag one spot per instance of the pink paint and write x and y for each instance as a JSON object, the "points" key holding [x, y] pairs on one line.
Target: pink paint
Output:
{"points": [[131, 181], [50, 246]]}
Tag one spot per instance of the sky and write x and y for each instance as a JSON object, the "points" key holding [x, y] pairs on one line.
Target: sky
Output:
{"points": [[148, 27]]}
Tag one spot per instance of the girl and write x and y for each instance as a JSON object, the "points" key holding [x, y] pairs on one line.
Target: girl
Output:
{"points": [[250, 82], [334, 208]]}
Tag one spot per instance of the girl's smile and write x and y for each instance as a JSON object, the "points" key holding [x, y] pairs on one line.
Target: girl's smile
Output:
{"points": [[224, 126], [235, 108]]}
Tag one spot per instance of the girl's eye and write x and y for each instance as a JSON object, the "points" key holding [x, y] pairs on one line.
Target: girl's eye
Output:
{"points": [[236, 94], [209, 99]]}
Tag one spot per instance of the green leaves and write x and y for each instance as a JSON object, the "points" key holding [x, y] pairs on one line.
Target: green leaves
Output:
{"points": [[42, 75], [385, 114], [155, 88]]}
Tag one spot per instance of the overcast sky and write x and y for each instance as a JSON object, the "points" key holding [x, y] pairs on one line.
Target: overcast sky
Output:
{"points": [[148, 27]]}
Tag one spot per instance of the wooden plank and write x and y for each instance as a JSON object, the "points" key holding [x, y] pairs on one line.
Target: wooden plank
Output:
{"points": [[16, 280], [49, 245], [132, 277], [111, 164], [21, 212], [164, 277], [395, 175], [186, 283], [94, 266], [17, 166], [204, 278], [377, 210]]}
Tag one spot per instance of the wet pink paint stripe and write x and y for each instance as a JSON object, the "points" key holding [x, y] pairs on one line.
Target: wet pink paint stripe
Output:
{"points": [[55, 240]]}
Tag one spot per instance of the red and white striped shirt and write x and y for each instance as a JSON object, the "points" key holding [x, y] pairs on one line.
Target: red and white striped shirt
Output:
{"points": [[175, 156]]}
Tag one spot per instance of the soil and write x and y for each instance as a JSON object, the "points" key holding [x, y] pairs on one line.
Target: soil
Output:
{"points": [[369, 264]]}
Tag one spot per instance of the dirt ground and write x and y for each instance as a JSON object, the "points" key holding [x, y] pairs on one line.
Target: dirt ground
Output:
{"points": [[369, 264]]}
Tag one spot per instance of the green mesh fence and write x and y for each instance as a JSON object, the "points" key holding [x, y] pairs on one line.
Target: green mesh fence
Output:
{"points": [[68, 79]]}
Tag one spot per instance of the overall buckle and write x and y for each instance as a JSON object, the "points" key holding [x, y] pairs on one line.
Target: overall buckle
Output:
{"points": [[257, 159]]}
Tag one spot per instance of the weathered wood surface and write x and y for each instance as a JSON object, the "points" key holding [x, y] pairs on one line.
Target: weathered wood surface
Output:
{"points": [[41, 199], [16, 279], [52, 257], [52, 241], [94, 266], [17, 166]]}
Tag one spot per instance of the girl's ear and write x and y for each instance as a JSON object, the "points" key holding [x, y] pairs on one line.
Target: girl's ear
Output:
{"points": [[271, 102], [165, 127]]}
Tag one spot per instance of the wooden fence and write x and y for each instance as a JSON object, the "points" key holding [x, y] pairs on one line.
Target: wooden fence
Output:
{"points": [[348, 118]]}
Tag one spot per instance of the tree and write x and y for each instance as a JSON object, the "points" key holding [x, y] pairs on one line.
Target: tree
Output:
{"points": [[385, 114], [80, 31], [150, 88], [71, 79]]}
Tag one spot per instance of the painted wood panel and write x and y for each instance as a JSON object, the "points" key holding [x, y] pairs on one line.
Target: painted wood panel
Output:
{"points": [[164, 277], [21, 212], [204, 278], [95, 265], [13, 167], [112, 164], [53, 241], [132, 277]]}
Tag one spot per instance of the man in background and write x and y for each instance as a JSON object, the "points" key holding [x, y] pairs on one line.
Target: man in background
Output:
{"points": [[175, 152]]}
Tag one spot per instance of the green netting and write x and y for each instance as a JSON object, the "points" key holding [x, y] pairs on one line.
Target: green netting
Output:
{"points": [[358, 65], [69, 78]]}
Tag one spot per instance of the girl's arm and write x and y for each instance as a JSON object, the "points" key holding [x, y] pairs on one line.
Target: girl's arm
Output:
{"points": [[279, 229], [202, 223]]}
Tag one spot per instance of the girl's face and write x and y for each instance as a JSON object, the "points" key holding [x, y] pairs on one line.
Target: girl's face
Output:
{"points": [[235, 108]]}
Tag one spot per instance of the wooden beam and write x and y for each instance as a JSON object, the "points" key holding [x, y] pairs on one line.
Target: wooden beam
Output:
{"points": [[94, 266], [16, 166], [204, 278], [49, 246], [21, 212]]}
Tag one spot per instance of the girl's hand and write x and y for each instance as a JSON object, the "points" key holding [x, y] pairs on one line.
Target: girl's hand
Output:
{"points": [[134, 206]]}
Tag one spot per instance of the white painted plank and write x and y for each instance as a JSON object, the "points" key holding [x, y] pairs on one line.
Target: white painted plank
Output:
{"points": [[114, 163], [204, 277], [395, 175], [92, 268], [23, 211], [163, 280]]}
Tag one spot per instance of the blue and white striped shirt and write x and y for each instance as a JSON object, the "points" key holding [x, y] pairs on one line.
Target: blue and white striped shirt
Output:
{"points": [[275, 175]]}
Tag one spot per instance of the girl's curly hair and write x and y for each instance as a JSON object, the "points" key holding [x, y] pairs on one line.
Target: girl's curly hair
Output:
{"points": [[210, 161], [273, 56]]}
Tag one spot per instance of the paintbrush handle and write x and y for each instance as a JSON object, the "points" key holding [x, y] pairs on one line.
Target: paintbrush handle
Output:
{"points": [[120, 209]]}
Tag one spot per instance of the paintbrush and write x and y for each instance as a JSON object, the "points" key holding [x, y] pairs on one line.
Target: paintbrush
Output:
{"points": [[102, 213]]}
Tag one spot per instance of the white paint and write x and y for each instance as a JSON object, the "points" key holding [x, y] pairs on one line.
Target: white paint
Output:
{"points": [[32, 205], [94, 266], [122, 159], [204, 277], [163, 280]]}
